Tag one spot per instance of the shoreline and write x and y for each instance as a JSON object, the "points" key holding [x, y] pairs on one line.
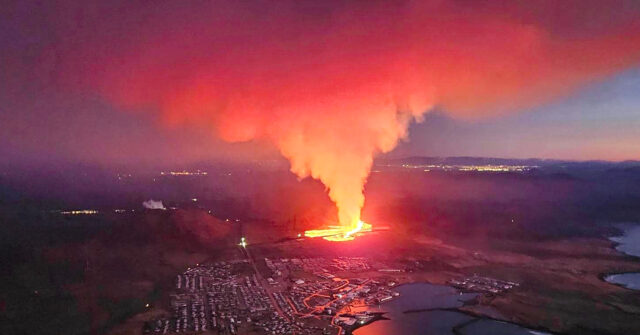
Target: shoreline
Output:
{"points": [[614, 245], [456, 329], [348, 330], [477, 316], [604, 276]]}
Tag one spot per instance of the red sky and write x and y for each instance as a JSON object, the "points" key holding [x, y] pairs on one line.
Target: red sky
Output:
{"points": [[121, 74]]}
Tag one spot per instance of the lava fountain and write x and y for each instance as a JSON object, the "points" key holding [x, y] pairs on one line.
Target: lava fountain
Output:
{"points": [[332, 88], [339, 233]]}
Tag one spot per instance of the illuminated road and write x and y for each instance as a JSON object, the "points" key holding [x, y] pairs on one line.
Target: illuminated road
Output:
{"points": [[264, 284]]}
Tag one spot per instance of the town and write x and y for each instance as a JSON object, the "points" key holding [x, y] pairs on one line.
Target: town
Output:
{"points": [[285, 296]]}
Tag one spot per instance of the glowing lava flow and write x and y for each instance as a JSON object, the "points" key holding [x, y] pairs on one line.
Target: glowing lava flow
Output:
{"points": [[339, 233]]}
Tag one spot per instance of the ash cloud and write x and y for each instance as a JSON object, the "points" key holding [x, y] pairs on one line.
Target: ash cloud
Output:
{"points": [[332, 87]]}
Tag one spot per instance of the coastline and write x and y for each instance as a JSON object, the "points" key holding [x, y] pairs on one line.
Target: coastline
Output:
{"points": [[615, 243], [458, 328]]}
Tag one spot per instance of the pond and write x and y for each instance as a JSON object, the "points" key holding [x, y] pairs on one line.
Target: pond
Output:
{"points": [[424, 308], [628, 243]]}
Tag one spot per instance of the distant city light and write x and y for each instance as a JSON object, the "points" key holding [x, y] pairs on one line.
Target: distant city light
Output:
{"points": [[123, 175], [184, 173], [80, 212], [467, 168]]}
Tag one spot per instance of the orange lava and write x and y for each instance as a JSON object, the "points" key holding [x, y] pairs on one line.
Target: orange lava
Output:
{"points": [[339, 233]]}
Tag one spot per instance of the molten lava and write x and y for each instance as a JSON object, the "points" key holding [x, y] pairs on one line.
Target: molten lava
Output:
{"points": [[340, 233]]}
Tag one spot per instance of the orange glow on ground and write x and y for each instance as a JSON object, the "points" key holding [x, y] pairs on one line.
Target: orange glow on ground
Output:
{"points": [[339, 233]]}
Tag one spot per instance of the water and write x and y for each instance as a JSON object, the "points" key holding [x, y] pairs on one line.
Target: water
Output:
{"points": [[628, 280], [418, 311], [628, 243], [492, 327]]}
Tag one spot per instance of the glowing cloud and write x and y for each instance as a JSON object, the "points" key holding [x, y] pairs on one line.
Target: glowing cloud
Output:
{"points": [[333, 85]]}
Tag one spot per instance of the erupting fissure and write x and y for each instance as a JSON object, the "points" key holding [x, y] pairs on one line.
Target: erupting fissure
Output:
{"points": [[340, 233], [332, 92]]}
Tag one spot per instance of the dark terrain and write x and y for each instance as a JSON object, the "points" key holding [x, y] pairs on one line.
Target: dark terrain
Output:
{"points": [[546, 227]]}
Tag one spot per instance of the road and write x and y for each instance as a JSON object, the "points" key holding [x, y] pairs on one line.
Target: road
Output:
{"points": [[264, 283]]}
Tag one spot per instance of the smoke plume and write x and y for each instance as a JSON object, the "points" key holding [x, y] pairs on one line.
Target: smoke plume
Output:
{"points": [[332, 85], [153, 204]]}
